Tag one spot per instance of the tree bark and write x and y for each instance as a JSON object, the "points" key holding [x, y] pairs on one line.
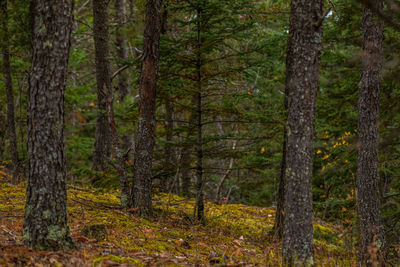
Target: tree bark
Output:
{"points": [[302, 70], [372, 241], [46, 222], [122, 49], [11, 129], [103, 136], [199, 206], [142, 198]]}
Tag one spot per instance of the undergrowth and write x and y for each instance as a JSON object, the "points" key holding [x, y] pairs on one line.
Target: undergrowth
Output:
{"points": [[231, 235]]}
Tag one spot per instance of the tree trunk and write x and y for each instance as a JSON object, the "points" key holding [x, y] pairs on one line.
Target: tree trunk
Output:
{"points": [[302, 72], [372, 239], [199, 206], [12, 134], [46, 222], [147, 99], [103, 136], [122, 49]]}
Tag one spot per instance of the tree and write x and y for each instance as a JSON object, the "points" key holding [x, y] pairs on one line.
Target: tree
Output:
{"points": [[46, 222], [372, 235], [142, 187], [122, 49], [103, 137], [9, 91], [302, 72]]}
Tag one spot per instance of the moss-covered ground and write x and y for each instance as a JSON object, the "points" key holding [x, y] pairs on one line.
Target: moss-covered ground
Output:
{"points": [[232, 235]]}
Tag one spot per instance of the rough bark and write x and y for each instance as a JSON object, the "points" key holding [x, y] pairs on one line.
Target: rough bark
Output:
{"points": [[372, 241], [103, 136], [11, 129], [122, 48], [46, 222], [147, 95], [302, 72]]}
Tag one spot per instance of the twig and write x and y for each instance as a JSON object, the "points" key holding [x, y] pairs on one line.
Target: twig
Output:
{"points": [[119, 71]]}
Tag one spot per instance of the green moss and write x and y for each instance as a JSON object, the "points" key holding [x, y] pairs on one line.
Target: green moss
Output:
{"points": [[26, 235], [56, 233], [47, 214], [122, 260]]}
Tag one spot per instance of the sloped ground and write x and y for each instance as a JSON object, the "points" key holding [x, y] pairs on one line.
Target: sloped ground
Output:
{"points": [[233, 235]]}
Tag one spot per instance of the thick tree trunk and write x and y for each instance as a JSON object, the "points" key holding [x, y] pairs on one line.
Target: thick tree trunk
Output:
{"points": [[372, 239], [147, 99], [46, 222], [103, 136], [302, 72], [122, 49], [11, 129]]}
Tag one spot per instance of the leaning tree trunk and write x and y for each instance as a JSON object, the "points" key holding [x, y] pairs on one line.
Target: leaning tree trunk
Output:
{"points": [[122, 48], [142, 198], [46, 222], [103, 136], [302, 70], [372, 239], [12, 134]]}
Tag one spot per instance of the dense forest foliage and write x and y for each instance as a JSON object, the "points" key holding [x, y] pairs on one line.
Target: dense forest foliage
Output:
{"points": [[185, 110]]}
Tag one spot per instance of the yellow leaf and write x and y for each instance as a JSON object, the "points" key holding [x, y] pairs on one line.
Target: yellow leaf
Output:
{"points": [[262, 149], [271, 254], [319, 151], [91, 104]]}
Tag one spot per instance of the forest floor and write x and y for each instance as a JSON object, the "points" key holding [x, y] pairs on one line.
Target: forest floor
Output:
{"points": [[233, 235]]}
